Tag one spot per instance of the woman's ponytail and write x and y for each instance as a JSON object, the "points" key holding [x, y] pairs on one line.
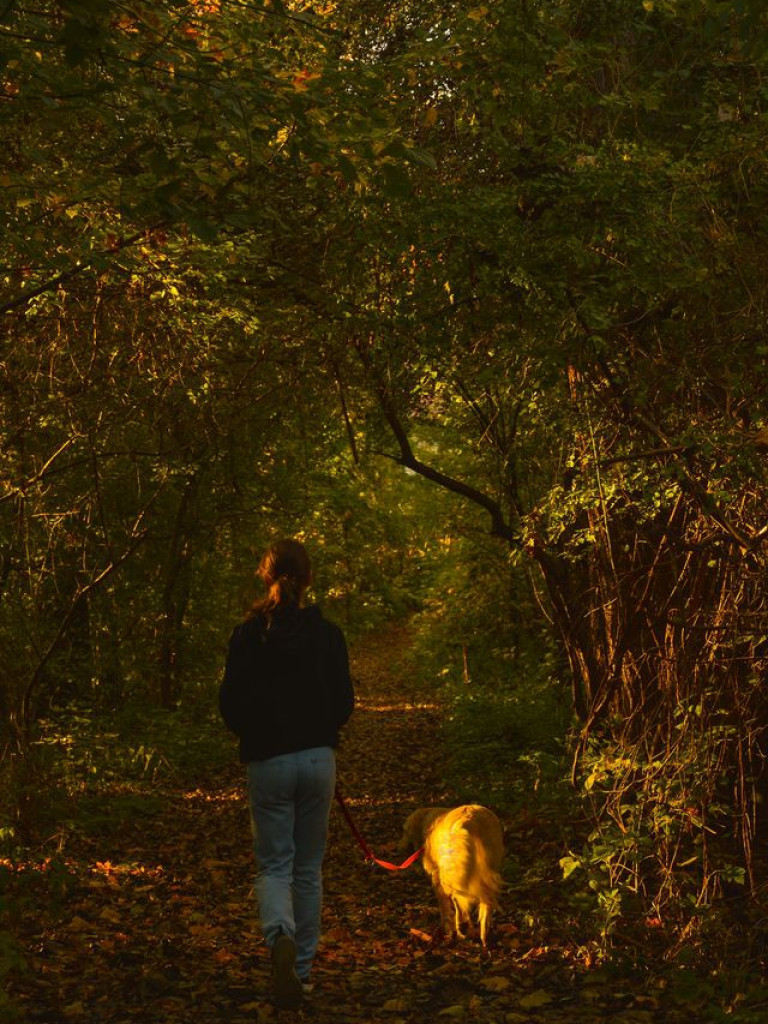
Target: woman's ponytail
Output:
{"points": [[287, 572]]}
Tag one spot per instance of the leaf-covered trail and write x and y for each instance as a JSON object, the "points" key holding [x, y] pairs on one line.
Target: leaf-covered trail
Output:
{"points": [[157, 923]]}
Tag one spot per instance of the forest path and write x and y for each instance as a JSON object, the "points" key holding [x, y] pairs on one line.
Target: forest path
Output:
{"points": [[156, 922]]}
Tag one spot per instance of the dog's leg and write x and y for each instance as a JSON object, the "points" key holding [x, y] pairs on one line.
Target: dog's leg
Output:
{"points": [[462, 916], [457, 919], [445, 903], [484, 915]]}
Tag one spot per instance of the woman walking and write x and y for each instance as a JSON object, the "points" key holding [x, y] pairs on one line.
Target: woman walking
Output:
{"points": [[286, 694]]}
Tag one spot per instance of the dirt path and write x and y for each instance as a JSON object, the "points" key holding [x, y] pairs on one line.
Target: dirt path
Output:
{"points": [[157, 923], [155, 920]]}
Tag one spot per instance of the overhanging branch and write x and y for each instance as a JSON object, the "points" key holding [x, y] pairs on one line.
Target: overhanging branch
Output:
{"points": [[407, 458], [67, 275]]}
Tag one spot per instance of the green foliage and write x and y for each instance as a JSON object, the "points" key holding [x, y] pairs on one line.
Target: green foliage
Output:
{"points": [[91, 770], [506, 743], [507, 715], [661, 846], [152, 126], [248, 250], [87, 748], [581, 243], [363, 523], [11, 958]]}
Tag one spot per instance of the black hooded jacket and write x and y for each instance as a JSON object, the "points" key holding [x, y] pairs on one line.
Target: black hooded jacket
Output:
{"points": [[286, 684]]}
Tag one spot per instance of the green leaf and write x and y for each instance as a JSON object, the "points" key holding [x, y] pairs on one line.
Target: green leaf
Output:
{"points": [[569, 864], [202, 228], [535, 999], [396, 182], [347, 168], [421, 157]]}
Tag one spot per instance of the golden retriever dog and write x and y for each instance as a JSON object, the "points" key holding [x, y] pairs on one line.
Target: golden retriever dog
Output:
{"points": [[463, 851]]}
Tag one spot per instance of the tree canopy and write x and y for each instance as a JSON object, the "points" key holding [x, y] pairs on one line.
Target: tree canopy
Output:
{"points": [[470, 297]]}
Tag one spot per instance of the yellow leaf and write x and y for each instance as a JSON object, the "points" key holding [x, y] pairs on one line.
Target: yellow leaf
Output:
{"points": [[591, 994], [430, 117], [78, 924], [223, 956], [453, 1011], [496, 984], [478, 13], [205, 931], [395, 1005], [302, 79], [537, 998]]}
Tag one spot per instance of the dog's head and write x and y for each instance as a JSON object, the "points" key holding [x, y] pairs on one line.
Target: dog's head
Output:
{"points": [[416, 827]]}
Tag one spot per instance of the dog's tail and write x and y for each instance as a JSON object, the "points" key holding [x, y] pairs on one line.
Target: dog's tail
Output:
{"points": [[488, 879], [479, 833]]}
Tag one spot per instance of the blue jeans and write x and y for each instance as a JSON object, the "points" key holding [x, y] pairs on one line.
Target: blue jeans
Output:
{"points": [[290, 798]]}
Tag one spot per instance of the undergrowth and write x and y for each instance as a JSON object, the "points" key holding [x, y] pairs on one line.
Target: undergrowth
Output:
{"points": [[88, 772], [506, 745], [508, 738]]}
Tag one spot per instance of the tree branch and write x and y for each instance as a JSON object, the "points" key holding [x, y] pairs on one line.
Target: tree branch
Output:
{"points": [[66, 275], [54, 644], [407, 458]]}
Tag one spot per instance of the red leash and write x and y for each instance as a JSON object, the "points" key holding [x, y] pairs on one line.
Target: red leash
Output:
{"points": [[364, 846]]}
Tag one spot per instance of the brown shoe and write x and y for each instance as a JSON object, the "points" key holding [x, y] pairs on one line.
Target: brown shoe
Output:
{"points": [[289, 992]]}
